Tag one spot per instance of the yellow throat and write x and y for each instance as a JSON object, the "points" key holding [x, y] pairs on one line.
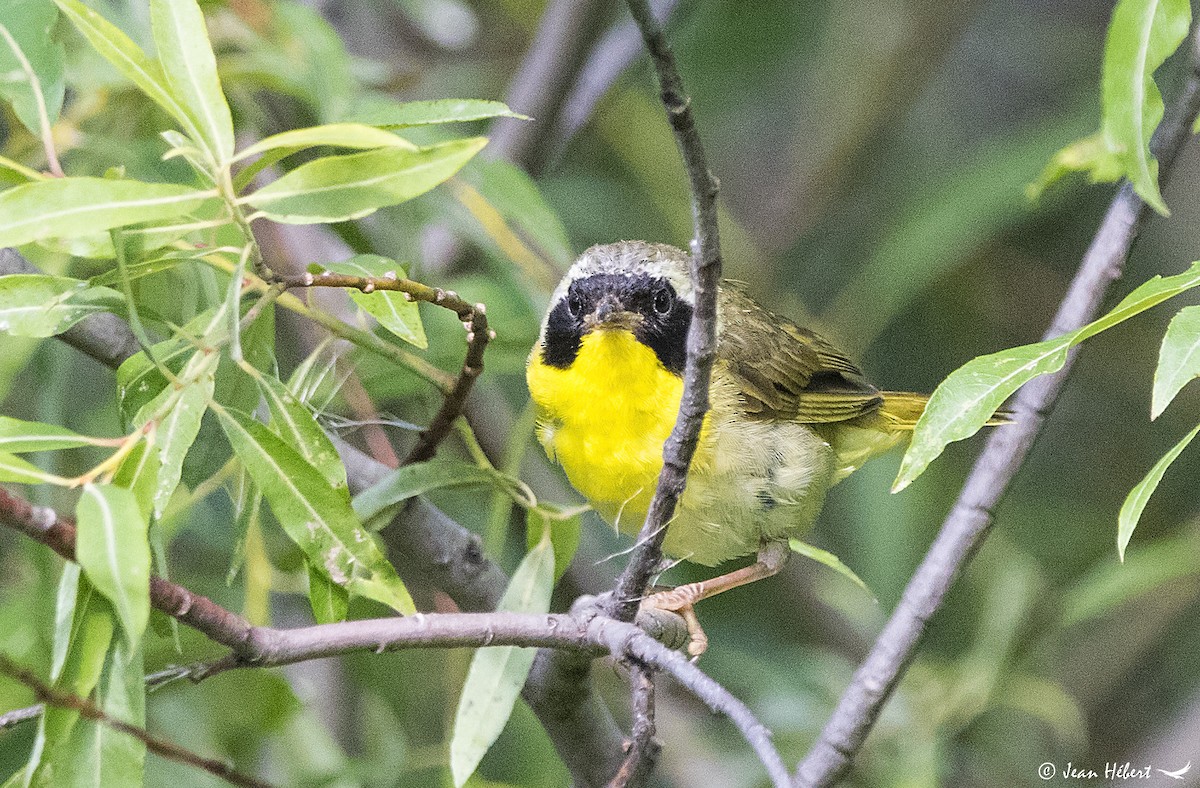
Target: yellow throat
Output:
{"points": [[605, 417]]}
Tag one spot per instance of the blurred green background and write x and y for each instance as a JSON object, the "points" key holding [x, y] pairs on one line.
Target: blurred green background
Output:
{"points": [[873, 158]]}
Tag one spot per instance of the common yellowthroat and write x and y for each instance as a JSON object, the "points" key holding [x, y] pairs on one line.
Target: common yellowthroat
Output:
{"points": [[789, 417]]}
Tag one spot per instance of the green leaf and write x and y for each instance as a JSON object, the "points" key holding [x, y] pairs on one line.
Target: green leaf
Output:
{"points": [[17, 436], [36, 305], [328, 600], [1139, 496], [315, 515], [496, 675], [128, 58], [84, 626], [177, 432], [30, 23], [342, 135], [394, 115], [14, 469], [415, 479], [139, 381], [1141, 36], [71, 207], [112, 548], [393, 311], [830, 560], [1178, 359], [138, 473], [154, 265], [339, 188], [564, 535], [181, 37], [966, 399], [295, 423]]}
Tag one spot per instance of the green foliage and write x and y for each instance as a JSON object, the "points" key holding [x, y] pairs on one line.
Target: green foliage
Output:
{"points": [[112, 550], [393, 311], [25, 40], [497, 674], [33, 305], [1178, 359], [1141, 36], [972, 394]]}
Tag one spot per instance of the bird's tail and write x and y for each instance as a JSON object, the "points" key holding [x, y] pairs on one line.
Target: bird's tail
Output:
{"points": [[901, 409]]}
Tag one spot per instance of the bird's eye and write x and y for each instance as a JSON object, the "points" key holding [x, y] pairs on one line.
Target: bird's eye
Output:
{"points": [[575, 304], [663, 301]]}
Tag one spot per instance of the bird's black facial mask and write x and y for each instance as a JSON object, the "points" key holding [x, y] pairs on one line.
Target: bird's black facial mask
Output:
{"points": [[643, 304]]}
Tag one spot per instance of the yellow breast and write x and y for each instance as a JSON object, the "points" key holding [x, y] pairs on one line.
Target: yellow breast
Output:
{"points": [[604, 419]]}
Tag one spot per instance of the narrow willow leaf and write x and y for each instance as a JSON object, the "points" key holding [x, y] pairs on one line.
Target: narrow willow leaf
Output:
{"points": [[341, 135], [37, 305], [316, 517], [30, 24], [416, 479], [295, 423], [14, 469], [181, 37], [139, 381], [177, 432], [395, 115], [84, 630], [830, 560], [115, 759], [17, 436], [564, 533], [154, 265], [1139, 496], [338, 188], [497, 674], [1141, 36], [328, 600], [71, 207], [112, 548], [138, 473], [965, 400], [1178, 359], [128, 58], [393, 311]]}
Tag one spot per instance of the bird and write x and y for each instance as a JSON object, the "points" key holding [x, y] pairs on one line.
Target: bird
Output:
{"points": [[789, 414]]}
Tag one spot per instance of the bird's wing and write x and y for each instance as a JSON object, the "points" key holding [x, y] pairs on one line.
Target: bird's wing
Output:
{"points": [[787, 372]]}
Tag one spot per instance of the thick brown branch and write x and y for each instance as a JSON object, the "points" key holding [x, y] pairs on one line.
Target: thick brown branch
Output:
{"points": [[968, 523], [473, 316], [88, 710]]}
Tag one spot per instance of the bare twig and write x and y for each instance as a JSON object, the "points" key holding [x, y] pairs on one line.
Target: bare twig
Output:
{"points": [[474, 320], [702, 333], [968, 523], [642, 748], [88, 710]]}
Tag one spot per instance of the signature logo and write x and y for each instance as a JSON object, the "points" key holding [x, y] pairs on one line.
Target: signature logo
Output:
{"points": [[1178, 773]]}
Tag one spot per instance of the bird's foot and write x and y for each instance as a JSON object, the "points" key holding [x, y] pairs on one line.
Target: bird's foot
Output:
{"points": [[681, 601]]}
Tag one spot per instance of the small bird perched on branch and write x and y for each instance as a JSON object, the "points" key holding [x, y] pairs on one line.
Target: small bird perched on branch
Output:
{"points": [[789, 416]]}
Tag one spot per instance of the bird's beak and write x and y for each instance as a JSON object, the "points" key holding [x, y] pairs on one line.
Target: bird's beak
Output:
{"points": [[610, 313]]}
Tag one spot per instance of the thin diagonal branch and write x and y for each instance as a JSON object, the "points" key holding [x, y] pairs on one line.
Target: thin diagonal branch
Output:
{"points": [[702, 333], [969, 521], [88, 710], [473, 316]]}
